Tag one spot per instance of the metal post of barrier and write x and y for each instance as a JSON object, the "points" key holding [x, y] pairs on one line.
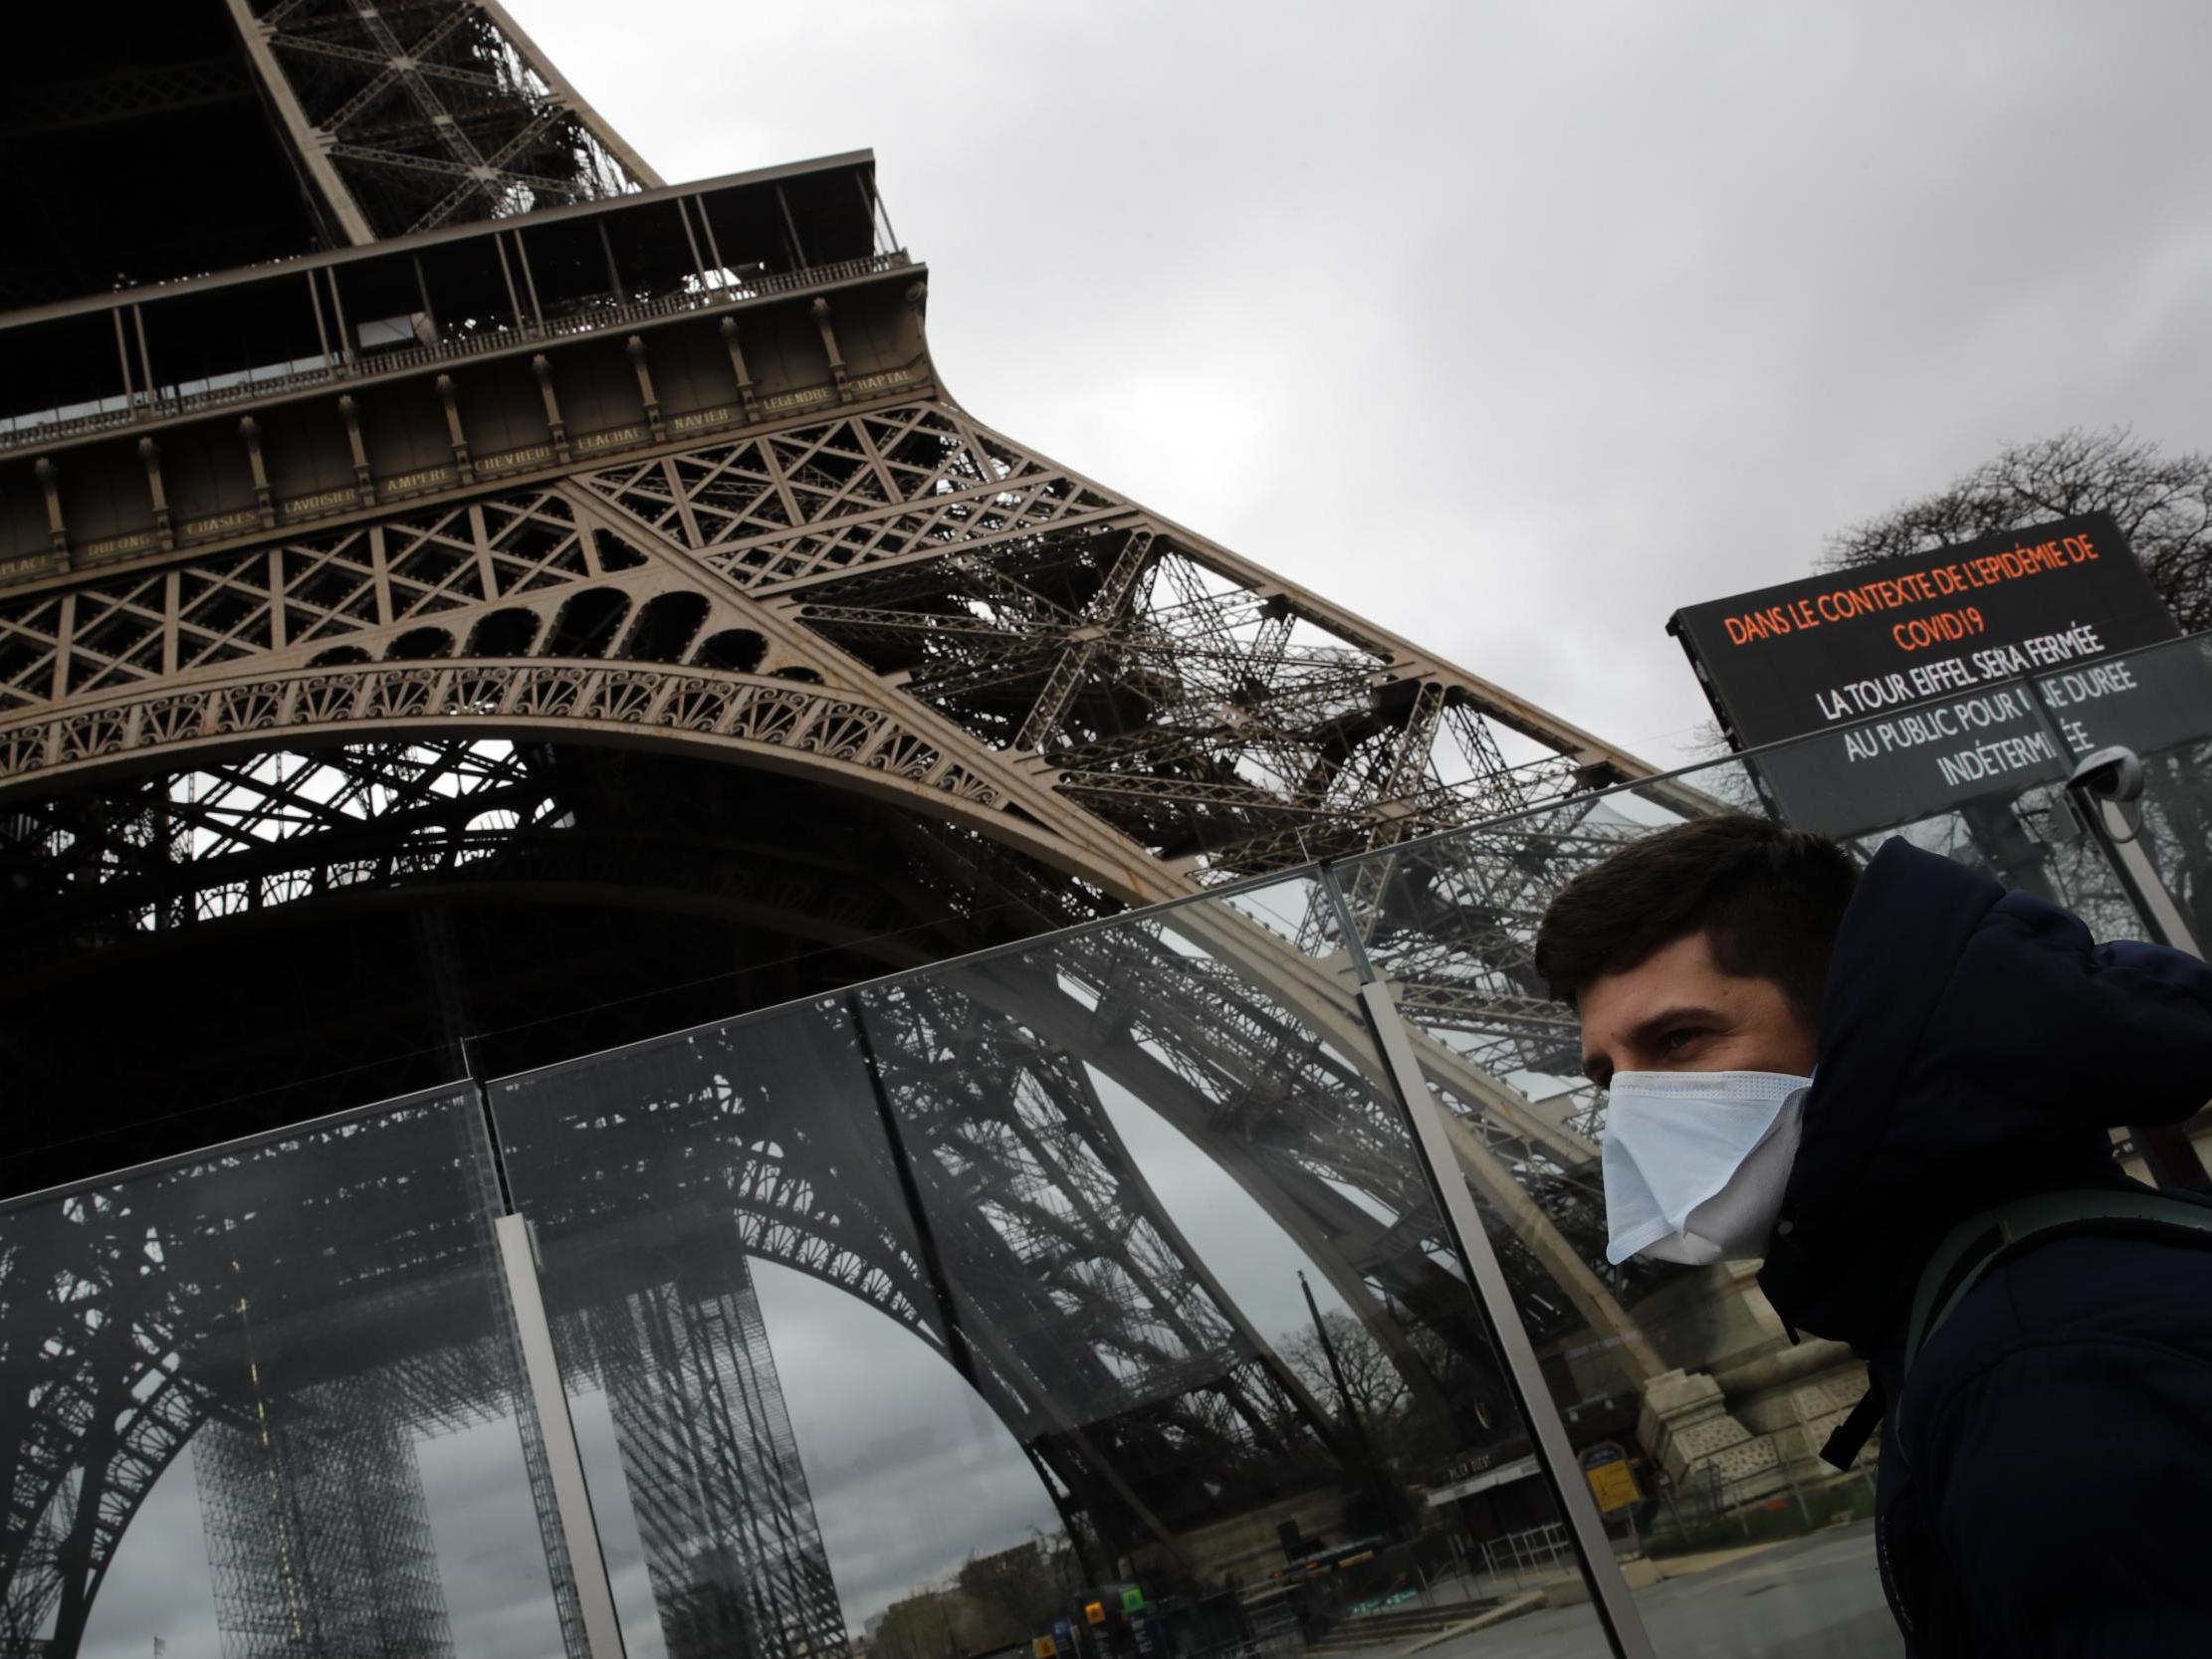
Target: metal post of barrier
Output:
{"points": [[2106, 788], [1608, 1591], [2106, 791], [517, 1254]]}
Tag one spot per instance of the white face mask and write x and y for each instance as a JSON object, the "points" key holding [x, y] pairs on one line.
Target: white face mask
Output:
{"points": [[1695, 1162]]}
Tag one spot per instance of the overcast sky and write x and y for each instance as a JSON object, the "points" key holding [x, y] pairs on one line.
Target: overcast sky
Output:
{"points": [[1514, 326]]}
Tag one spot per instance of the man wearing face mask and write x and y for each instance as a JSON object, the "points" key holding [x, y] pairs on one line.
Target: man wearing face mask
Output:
{"points": [[1896, 1088]]}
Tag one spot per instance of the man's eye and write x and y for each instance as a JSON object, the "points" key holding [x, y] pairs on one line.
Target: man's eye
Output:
{"points": [[1675, 1041]]}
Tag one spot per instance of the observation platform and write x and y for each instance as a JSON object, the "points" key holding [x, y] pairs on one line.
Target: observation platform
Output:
{"points": [[212, 409]]}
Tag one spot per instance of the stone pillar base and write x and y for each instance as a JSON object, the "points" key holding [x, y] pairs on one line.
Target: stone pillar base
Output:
{"points": [[1685, 1426], [1800, 1412]]}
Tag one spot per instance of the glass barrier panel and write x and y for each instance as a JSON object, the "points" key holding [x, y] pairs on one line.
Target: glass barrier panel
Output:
{"points": [[783, 1450], [265, 1400], [1198, 1274], [1697, 1421]]}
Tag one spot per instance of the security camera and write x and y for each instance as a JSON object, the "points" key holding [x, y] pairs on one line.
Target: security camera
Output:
{"points": [[2110, 774], [2106, 793], [2107, 789]]}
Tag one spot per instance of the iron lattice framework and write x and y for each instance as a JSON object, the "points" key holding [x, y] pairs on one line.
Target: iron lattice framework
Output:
{"points": [[884, 590], [586, 617], [910, 606], [415, 117], [904, 602]]}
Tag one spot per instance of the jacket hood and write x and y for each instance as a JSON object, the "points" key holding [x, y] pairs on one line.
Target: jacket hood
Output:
{"points": [[1976, 1044]]}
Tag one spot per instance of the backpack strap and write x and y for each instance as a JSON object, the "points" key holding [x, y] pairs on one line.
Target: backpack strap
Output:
{"points": [[1844, 1444], [1983, 1240], [1991, 1236]]}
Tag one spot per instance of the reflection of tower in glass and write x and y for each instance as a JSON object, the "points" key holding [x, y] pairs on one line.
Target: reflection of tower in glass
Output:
{"points": [[318, 1536], [732, 1545]]}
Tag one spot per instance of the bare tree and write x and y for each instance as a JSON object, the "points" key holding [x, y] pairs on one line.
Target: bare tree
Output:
{"points": [[2163, 504], [1015, 1595], [1379, 1393]]}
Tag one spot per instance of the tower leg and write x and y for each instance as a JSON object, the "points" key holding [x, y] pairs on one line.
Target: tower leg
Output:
{"points": [[317, 1532], [732, 1549]]}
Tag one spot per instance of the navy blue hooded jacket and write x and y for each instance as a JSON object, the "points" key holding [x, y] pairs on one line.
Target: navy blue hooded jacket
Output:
{"points": [[2046, 1482]]}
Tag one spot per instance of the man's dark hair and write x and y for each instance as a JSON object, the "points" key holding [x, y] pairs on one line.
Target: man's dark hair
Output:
{"points": [[1771, 898]]}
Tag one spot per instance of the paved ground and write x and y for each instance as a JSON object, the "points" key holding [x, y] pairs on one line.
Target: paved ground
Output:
{"points": [[1814, 1599]]}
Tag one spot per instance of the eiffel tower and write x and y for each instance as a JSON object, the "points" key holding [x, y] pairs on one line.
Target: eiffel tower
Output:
{"points": [[466, 603]]}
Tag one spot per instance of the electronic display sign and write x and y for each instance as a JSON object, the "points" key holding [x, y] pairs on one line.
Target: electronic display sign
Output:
{"points": [[1918, 666]]}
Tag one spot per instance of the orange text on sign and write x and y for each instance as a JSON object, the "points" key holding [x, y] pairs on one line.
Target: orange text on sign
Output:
{"points": [[1891, 594]]}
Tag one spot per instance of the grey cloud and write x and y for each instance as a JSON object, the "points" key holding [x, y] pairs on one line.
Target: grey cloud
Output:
{"points": [[1514, 326]]}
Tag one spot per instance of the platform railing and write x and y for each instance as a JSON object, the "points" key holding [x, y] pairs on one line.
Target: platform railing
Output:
{"points": [[166, 402]]}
